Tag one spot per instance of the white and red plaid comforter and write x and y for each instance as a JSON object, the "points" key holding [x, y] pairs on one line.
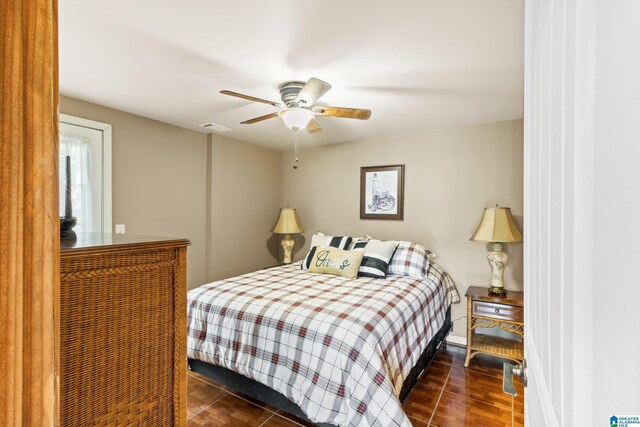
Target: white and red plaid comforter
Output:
{"points": [[339, 348]]}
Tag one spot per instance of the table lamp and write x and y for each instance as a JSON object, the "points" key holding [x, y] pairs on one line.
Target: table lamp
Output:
{"points": [[287, 224], [497, 226]]}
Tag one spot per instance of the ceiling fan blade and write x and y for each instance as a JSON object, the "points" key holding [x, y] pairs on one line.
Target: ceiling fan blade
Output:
{"points": [[250, 98], [348, 113], [312, 91], [313, 126], [259, 119]]}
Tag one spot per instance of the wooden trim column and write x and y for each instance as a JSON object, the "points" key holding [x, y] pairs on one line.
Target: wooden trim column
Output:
{"points": [[29, 264]]}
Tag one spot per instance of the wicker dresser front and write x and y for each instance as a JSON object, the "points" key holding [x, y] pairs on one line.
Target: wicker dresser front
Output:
{"points": [[123, 332]]}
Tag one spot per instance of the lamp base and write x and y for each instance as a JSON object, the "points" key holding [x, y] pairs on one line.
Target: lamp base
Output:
{"points": [[287, 244], [497, 261], [497, 291]]}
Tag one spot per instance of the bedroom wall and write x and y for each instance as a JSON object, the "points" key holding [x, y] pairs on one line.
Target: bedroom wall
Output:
{"points": [[242, 206], [158, 178], [450, 176]]}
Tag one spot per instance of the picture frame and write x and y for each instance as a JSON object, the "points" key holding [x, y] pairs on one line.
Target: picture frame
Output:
{"points": [[382, 192]]}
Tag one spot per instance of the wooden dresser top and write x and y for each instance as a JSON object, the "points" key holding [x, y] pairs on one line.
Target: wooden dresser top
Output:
{"points": [[481, 293], [94, 243]]}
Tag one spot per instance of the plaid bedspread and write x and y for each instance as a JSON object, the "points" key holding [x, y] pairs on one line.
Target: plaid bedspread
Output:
{"points": [[339, 348]]}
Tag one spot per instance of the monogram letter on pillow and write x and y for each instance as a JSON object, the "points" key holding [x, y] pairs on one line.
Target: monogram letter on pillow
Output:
{"points": [[330, 260], [320, 239]]}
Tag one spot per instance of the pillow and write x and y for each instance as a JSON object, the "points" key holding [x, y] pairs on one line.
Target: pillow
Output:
{"points": [[410, 259], [320, 239], [330, 260], [377, 255], [355, 240]]}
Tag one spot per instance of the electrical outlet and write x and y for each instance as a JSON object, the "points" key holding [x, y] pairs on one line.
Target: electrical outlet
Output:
{"points": [[120, 229]]}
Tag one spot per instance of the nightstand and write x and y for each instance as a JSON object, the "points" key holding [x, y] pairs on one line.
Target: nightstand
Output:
{"points": [[485, 310]]}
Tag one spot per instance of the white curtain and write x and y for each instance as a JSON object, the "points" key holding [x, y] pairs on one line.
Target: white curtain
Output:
{"points": [[81, 197]]}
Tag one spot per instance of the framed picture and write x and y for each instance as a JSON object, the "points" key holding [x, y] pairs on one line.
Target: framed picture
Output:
{"points": [[382, 192]]}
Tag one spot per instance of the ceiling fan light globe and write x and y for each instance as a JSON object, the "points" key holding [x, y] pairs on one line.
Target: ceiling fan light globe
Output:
{"points": [[296, 118]]}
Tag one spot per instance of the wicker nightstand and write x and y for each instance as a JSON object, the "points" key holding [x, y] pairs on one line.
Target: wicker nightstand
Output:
{"points": [[486, 311]]}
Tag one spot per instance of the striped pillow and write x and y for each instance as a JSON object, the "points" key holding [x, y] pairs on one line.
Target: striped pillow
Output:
{"points": [[320, 239], [355, 240], [377, 255]]}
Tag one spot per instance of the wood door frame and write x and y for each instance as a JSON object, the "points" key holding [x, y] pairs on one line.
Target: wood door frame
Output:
{"points": [[29, 266]]}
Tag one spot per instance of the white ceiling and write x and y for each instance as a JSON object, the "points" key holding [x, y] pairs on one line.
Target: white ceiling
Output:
{"points": [[415, 63]]}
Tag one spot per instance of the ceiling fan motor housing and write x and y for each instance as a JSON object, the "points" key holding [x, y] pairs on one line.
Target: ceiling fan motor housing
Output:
{"points": [[289, 92]]}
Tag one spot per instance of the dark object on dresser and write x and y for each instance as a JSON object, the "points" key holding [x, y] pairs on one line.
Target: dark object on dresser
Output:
{"points": [[123, 331], [271, 397], [68, 221]]}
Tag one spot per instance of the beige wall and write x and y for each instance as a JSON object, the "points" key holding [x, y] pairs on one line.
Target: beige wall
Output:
{"points": [[158, 178], [243, 205], [450, 176], [221, 193], [224, 194]]}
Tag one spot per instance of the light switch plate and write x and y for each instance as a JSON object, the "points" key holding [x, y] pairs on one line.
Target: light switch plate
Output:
{"points": [[120, 229]]}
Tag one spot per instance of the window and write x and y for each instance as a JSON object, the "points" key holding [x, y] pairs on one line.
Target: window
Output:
{"points": [[88, 144]]}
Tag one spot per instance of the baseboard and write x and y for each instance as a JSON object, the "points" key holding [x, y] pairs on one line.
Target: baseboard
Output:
{"points": [[455, 340]]}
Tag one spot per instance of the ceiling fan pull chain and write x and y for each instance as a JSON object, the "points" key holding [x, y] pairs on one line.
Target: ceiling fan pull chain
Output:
{"points": [[295, 132]]}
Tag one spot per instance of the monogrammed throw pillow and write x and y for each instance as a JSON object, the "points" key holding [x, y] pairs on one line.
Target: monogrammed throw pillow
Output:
{"points": [[321, 239], [329, 260]]}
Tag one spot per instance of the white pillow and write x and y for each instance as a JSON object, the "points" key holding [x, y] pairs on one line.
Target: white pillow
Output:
{"points": [[377, 255], [355, 240]]}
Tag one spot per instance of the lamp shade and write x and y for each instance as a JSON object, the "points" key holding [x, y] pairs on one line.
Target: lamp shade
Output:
{"points": [[296, 118], [497, 225], [288, 222]]}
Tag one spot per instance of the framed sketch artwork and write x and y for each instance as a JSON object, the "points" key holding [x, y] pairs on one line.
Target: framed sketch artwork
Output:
{"points": [[382, 192]]}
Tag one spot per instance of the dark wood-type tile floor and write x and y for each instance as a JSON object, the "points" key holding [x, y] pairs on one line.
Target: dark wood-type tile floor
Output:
{"points": [[446, 395]]}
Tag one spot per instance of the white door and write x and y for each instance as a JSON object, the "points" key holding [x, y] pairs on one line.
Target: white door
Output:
{"points": [[553, 71], [582, 198]]}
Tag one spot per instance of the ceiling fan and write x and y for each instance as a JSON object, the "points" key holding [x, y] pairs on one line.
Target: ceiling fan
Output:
{"points": [[297, 109]]}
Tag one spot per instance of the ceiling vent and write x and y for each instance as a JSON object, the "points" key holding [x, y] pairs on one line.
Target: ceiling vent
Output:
{"points": [[216, 128]]}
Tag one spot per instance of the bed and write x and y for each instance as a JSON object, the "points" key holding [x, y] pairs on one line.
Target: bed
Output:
{"points": [[330, 350]]}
